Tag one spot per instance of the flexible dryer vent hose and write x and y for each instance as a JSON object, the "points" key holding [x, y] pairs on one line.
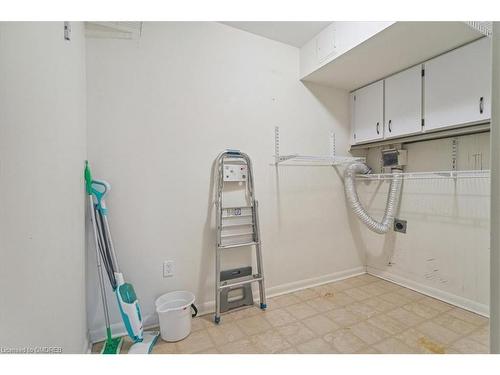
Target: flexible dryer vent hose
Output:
{"points": [[392, 199]]}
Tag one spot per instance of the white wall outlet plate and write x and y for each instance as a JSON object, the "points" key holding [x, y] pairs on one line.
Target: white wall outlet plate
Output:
{"points": [[168, 268]]}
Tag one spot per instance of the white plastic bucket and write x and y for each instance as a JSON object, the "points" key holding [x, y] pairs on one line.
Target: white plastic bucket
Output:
{"points": [[174, 312]]}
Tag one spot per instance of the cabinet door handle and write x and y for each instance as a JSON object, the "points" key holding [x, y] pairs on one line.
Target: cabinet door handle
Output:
{"points": [[481, 105], [390, 122], [378, 132]]}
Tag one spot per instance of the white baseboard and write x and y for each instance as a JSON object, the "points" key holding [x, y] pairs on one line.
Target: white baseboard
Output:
{"points": [[118, 329], [87, 347], [208, 307], [450, 298], [315, 281]]}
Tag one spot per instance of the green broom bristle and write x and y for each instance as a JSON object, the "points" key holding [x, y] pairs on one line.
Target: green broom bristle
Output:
{"points": [[112, 345]]}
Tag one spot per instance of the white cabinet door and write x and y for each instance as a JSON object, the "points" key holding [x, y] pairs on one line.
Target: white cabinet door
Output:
{"points": [[368, 112], [325, 44], [457, 86], [403, 103]]}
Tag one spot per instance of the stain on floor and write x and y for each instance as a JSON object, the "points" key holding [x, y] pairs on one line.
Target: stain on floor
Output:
{"points": [[431, 345]]}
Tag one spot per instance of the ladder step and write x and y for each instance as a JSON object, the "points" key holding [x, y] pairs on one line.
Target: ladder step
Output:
{"points": [[241, 281], [238, 245], [232, 212], [233, 216], [230, 235], [230, 225]]}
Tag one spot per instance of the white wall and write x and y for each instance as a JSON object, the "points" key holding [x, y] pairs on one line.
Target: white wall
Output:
{"points": [[42, 149], [495, 192], [445, 252], [160, 109]]}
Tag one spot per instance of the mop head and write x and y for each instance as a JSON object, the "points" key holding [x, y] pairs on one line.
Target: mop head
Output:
{"points": [[146, 345], [112, 346]]}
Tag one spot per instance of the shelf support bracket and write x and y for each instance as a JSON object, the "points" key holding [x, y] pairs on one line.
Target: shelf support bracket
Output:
{"points": [[454, 153], [276, 145], [332, 144]]}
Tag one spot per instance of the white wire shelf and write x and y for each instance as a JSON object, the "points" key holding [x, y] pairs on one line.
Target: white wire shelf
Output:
{"points": [[310, 160], [316, 159], [427, 175]]}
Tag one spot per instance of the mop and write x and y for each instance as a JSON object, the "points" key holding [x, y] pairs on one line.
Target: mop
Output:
{"points": [[127, 300], [112, 345]]}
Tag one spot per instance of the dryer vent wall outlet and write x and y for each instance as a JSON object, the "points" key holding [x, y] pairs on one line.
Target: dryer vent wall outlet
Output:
{"points": [[400, 225]]}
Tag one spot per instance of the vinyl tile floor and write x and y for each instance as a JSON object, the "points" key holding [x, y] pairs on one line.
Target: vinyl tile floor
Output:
{"points": [[362, 314]]}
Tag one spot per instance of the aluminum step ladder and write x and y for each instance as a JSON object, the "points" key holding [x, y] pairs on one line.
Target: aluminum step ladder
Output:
{"points": [[236, 226]]}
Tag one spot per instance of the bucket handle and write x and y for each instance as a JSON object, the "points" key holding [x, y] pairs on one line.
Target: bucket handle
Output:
{"points": [[195, 310]]}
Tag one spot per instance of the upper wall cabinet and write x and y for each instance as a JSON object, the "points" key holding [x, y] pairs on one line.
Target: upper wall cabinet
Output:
{"points": [[368, 112], [457, 87], [451, 90], [350, 55], [403, 103]]}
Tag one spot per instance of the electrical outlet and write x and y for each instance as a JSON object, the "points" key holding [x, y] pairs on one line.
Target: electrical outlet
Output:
{"points": [[168, 268]]}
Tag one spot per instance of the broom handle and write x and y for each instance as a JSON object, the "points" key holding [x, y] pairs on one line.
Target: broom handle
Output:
{"points": [[99, 269], [116, 269]]}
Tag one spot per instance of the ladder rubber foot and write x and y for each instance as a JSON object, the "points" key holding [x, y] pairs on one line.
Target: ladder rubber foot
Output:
{"points": [[263, 306], [217, 319]]}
